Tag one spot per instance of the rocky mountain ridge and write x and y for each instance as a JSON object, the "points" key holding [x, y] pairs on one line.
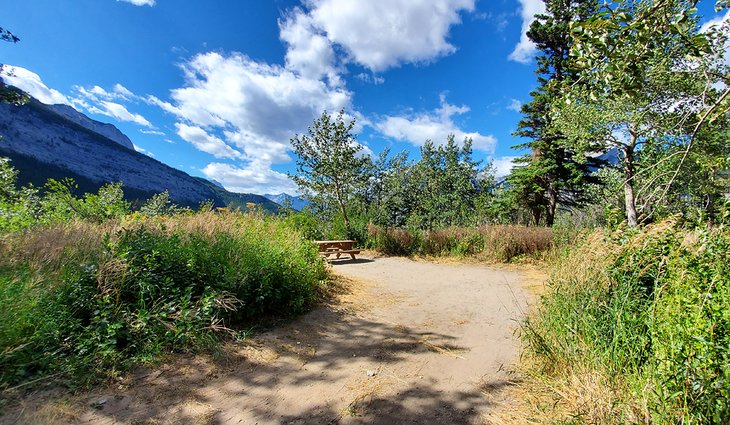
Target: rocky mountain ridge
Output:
{"points": [[46, 141]]}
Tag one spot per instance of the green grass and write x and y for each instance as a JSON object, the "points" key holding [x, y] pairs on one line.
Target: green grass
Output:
{"points": [[84, 301], [649, 313]]}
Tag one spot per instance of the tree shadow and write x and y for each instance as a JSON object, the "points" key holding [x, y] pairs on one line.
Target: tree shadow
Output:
{"points": [[348, 260], [294, 374]]}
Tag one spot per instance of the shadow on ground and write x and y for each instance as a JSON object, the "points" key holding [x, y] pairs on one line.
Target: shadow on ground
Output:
{"points": [[291, 375]]}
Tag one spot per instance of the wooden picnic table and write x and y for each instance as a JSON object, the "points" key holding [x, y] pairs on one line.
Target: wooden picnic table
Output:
{"points": [[337, 248]]}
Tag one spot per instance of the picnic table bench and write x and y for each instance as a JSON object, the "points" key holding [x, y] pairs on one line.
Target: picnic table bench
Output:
{"points": [[337, 248]]}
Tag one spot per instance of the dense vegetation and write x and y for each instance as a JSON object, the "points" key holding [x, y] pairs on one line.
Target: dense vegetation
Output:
{"points": [[636, 328], [88, 287]]}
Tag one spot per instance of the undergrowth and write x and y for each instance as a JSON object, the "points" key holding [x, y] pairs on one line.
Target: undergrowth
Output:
{"points": [[492, 243], [635, 329], [81, 301]]}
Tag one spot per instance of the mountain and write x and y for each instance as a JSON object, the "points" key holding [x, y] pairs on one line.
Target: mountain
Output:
{"points": [[297, 203], [50, 141], [106, 130]]}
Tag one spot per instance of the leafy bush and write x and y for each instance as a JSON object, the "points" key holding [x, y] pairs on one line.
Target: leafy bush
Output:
{"points": [[85, 298], [500, 243], [649, 312]]}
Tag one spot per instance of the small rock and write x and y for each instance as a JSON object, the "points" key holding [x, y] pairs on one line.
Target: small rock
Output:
{"points": [[98, 404], [371, 373]]}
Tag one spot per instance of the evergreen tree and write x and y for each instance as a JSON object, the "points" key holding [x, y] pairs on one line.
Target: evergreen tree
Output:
{"points": [[551, 174]]}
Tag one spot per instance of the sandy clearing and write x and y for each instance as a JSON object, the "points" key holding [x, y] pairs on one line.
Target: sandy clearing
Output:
{"points": [[412, 342]]}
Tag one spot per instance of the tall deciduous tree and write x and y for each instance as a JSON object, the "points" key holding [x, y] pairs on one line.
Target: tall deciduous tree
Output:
{"points": [[448, 182], [551, 174], [648, 84], [331, 168]]}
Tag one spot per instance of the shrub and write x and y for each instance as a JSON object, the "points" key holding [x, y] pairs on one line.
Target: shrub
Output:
{"points": [[648, 311], [86, 298], [498, 243]]}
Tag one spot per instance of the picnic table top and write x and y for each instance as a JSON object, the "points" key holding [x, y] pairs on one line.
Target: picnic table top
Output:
{"points": [[333, 242]]}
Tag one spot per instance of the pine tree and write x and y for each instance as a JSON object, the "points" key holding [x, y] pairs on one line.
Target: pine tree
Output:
{"points": [[551, 174]]}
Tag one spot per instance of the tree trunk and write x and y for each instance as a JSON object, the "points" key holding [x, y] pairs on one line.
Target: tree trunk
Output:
{"points": [[552, 203], [629, 174], [343, 210], [536, 216]]}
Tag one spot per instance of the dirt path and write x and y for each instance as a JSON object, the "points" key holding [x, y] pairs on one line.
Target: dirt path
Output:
{"points": [[413, 342]]}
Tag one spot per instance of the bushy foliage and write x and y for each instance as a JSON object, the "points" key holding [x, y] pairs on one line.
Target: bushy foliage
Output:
{"points": [[87, 299], [648, 311], [495, 243], [25, 207]]}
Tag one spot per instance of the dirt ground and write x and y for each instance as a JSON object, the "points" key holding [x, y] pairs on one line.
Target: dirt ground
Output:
{"points": [[407, 342]]}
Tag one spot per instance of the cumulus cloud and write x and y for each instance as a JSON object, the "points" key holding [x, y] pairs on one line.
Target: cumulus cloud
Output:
{"points": [[234, 107], [140, 149], [152, 132], [309, 52], [31, 83], [140, 2], [255, 178], [205, 142], [367, 78], [525, 49], [118, 112], [503, 165], [434, 126], [720, 25], [97, 100], [377, 34]]}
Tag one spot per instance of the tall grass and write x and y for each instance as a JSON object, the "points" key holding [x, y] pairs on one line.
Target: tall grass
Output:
{"points": [[636, 328], [498, 243], [84, 300]]}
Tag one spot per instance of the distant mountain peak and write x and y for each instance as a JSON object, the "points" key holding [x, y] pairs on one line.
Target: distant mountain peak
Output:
{"points": [[57, 141], [105, 129], [296, 202]]}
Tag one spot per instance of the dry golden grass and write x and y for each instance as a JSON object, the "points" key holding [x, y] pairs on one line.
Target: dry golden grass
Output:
{"points": [[46, 247], [586, 395]]}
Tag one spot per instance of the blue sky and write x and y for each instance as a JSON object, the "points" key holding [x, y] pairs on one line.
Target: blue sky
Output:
{"points": [[218, 88]]}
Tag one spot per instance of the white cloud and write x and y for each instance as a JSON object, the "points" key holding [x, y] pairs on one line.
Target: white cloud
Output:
{"points": [[374, 79], [525, 49], [205, 142], [309, 52], [255, 108], [435, 126], [380, 34], [97, 100], [118, 112], [715, 22], [140, 149], [252, 179], [503, 165], [95, 93], [122, 91], [31, 83], [140, 2], [514, 105], [720, 25], [152, 132]]}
